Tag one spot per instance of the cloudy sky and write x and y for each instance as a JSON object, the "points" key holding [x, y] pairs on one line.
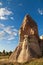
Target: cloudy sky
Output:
{"points": [[12, 13]]}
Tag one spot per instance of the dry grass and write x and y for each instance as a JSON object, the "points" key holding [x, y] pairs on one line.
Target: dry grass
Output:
{"points": [[4, 57], [5, 61]]}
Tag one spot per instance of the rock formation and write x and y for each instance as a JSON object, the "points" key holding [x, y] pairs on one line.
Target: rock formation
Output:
{"points": [[29, 27], [41, 43], [41, 37], [28, 47]]}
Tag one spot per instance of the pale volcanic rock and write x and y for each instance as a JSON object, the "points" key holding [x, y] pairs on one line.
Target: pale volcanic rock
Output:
{"points": [[28, 27], [41, 37], [25, 54], [41, 43], [28, 47]]}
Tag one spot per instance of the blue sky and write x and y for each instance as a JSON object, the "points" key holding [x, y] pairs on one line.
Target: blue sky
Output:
{"points": [[12, 13]]}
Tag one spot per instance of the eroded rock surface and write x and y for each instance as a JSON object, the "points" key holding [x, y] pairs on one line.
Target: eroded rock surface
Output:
{"points": [[28, 47], [28, 27]]}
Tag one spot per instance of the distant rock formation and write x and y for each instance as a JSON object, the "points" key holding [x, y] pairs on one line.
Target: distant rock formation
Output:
{"points": [[41, 43], [29, 46], [41, 37]]}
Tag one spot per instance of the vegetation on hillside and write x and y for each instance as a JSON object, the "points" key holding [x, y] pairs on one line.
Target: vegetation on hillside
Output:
{"points": [[5, 53]]}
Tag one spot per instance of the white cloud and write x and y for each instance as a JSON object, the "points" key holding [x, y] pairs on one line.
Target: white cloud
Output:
{"points": [[11, 18], [2, 26], [10, 30], [11, 38], [4, 13], [20, 4], [40, 11], [1, 4], [1, 33], [3, 18], [7, 32]]}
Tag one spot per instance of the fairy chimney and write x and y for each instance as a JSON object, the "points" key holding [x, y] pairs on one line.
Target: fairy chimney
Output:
{"points": [[28, 47], [28, 27]]}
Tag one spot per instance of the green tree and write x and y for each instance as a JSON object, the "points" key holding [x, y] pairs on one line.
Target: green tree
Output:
{"points": [[7, 53], [10, 53], [3, 52], [0, 53]]}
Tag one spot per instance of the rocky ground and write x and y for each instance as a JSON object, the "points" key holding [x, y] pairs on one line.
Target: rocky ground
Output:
{"points": [[33, 62]]}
